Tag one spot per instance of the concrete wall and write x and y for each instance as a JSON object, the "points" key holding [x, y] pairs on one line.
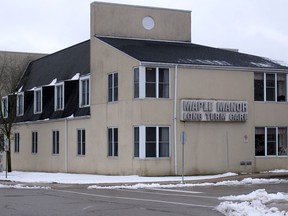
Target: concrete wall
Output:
{"points": [[126, 21]]}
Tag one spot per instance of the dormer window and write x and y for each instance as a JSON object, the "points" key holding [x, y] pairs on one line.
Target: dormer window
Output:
{"points": [[5, 107], [37, 100], [59, 96], [20, 104], [84, 91]]}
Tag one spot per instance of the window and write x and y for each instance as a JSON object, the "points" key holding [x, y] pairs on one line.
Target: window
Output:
{"points": [[281, 87], [270, 87], [55, 142], [282, 141], [271, 141], [38, 101], [16, 142], [34, 142], [136, 142], [136, 82], [151, 142], [5, 107], [112, 142], [20, 104], [81, 141], [259, 87], [150, 85], [113, 87], [151, 82], [84, 91], [59, 97], [2, 142]]}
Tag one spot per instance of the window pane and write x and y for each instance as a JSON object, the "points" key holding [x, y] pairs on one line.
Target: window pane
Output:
{"points": [[259, 87], [259, 141], [163, 75], [136, 141], [282, 141], [281, 87], [271, 141], [53, 142], [84, 92], [110, 87], [110, 138], [115, 142], [136, 82], [116, 87], [150, 141], [20, 105], [150, 82], [88, 93], [270, 87], [38, 101], [16, 143], [79, 142], [83, 142], [151, 75], [150, 89], [163, 142], [163, 90], [59, 97]]}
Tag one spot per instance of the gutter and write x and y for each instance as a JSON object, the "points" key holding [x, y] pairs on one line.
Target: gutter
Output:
{"points": [[175, 120]]}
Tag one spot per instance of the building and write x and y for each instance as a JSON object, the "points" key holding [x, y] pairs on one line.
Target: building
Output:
{"points": [[124, 101]]}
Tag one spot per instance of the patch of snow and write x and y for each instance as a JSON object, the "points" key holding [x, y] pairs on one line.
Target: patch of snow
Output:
{"points": [[266, 64], [19, 186], [71, 116], [20, 89], [246, 181], [76, 76], [66, 178], [54, 81], [205, 62], [253, 204], [277, 171]]}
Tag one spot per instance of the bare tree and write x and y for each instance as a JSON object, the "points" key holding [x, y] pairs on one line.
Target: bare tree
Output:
{"points": [[12, 66]]}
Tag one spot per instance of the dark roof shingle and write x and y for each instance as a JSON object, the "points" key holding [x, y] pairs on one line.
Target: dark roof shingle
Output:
{"points": [[62, 65], [187, 53]]}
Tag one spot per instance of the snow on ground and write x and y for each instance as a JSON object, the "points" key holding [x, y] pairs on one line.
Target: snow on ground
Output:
{"points": [[20, 186], [253, 204], [67, 178], [257, 203], [246, 181]]}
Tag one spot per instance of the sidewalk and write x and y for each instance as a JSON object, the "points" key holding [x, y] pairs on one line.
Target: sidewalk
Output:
{"points": [[56, 184]]}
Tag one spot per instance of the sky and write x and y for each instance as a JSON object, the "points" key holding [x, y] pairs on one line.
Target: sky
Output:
{"points": [[257, 27]]}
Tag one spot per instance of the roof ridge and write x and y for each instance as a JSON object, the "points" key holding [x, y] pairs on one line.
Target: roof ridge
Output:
{"points": [[142, 39]]}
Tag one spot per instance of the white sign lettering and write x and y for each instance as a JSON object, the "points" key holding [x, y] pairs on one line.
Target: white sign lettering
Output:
{"points": [[213, 110]]}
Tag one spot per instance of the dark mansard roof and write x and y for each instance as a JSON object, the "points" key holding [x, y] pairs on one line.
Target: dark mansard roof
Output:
{"points": [[62, 65], [185, 53]]}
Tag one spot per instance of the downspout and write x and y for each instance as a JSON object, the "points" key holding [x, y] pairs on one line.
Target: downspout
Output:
{"points": [[66, 145], [175, 120]]}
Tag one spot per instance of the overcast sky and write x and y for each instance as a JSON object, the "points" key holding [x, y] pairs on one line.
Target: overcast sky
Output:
{"points": [[257, 27]]}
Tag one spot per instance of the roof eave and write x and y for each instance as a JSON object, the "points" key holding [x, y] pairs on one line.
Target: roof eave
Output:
{"points": [[214, 67]]}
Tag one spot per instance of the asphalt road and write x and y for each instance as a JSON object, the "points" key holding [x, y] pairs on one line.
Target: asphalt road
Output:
{"points": [[196, 201]]}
